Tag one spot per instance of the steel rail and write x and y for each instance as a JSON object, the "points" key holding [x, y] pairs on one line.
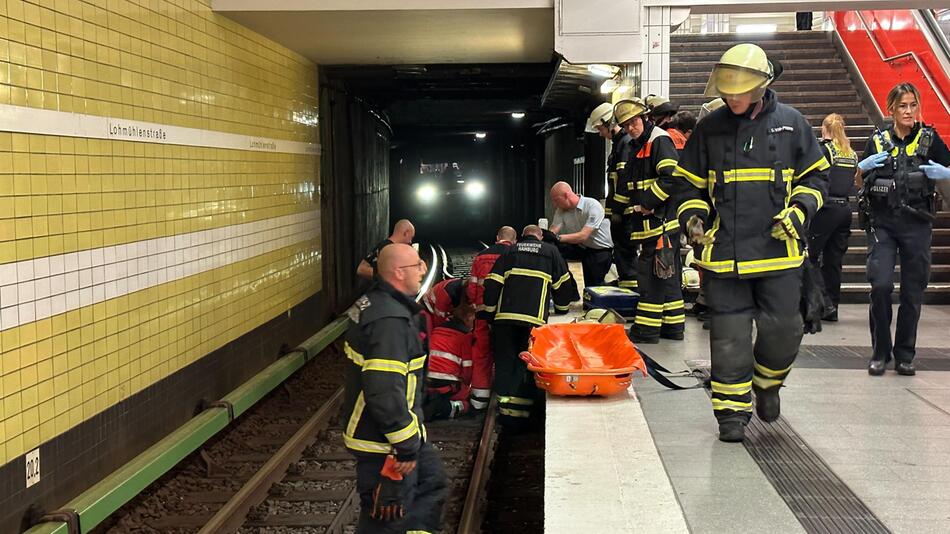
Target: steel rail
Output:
{"points": [[474, 507], [233, 514]]}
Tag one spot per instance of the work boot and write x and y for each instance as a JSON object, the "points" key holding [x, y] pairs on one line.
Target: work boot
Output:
{"points": [[675, 336], [831, 316], [905, 368], [642, 340], [767, 404], [731, 431], [876, 367]]}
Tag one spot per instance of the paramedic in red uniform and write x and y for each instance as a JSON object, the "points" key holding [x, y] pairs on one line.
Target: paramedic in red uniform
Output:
{"points": [[449, 377]]}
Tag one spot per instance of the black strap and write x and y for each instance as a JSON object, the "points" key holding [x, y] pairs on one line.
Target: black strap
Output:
{"points": [[654, 369]]}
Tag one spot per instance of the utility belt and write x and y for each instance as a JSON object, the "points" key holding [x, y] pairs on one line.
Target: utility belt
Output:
{"points": [[885, 194]]}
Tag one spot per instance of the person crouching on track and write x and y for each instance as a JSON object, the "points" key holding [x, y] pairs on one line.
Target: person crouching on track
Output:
{"points": [[483, 365], [757, 163], [441, 300], [399, 476], [449, 378], [516, 300]]}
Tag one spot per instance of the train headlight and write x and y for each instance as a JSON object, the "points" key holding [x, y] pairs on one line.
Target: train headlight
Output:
{"points": [[427, 193], [474, 189]]}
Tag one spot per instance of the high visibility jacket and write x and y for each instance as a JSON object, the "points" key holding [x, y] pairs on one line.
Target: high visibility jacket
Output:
{"points": [[522, 280], [679, 139], [841, 173], [617, 199], [384, 386], [442, 299], [649, 177], [450, 353], [749, 170], [481, 267]]}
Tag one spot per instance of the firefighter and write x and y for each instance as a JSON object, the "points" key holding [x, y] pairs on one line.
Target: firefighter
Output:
{"points": [[399, 476], [828, 233], [582, 232], [403, 232], [756, 162], [900, 166], [449, 377], [482, 361], [625, 255], [441, 299], [661, 115], [649, 177], [516, 300]]}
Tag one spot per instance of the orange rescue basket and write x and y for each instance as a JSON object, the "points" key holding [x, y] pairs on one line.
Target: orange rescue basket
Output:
{"points": [[582, 359]]}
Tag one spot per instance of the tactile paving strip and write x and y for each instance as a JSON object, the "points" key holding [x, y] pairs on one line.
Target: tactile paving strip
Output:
{"points": [[818, 498]]}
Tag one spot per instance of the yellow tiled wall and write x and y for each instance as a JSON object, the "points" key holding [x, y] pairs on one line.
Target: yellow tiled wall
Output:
{"points": [[171, 62]]}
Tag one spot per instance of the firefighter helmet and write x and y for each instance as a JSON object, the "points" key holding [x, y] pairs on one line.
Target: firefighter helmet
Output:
{"points": [[629, 109], [660, 106], [600, 116], [711, 106], [742, 69]]}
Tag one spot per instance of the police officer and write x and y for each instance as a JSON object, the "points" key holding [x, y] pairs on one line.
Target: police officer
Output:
{"points": [[516, 300], [828, 233], [625, 254], [652, 227], [899, 168], [757, 163], [399, 476]]}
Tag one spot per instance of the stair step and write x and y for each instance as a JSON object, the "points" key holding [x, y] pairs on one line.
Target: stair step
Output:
{"points": [[762, 39], [713, 54], [859, 293], [831, 75], [792, 66], [940, 254], [857, 274], [941, 237], [801, 103]]}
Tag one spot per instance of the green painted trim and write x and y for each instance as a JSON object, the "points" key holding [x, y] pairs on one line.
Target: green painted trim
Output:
{"points": [[111, 493]]}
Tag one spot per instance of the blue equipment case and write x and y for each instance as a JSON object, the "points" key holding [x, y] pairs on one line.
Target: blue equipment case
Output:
{"points": [[621, 300]]}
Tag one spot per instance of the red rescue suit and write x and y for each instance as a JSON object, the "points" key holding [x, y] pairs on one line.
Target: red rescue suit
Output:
{"points": [[449, 376], [482, 362], [441, 300]]}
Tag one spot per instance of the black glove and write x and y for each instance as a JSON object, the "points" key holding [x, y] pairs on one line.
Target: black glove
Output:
{"points": [[813, 298], [549, 237], [387, 497]]}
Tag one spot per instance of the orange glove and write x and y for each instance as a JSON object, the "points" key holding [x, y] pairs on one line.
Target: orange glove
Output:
{"points": [[387, 497]]}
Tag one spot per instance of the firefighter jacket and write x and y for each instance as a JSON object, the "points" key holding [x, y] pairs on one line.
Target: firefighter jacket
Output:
{"points": [[450, 353], [442, 299], [522, 281], [617, 200], [841, 173], [481, 267], [649, 179], [384, 386], [749, 168]]}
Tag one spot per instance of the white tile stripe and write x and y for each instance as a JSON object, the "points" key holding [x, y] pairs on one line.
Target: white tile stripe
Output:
{"points": [[35, 289], [22, 119]]}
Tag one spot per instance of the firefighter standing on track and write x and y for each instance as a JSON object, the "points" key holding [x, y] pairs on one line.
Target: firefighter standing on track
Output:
{"points": [[756, 162], [482, 360], [649, 178], [601, 122], [403, 232], [900, 166], [399, 476], [516, 300]]}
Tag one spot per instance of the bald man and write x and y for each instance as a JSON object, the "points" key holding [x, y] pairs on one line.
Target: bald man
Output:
{"points": [[583, 232], [403, 232], [387, 361]]}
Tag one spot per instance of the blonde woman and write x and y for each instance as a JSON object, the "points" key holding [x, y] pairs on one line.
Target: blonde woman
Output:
{"points": [[829, 231], [900, 166]]}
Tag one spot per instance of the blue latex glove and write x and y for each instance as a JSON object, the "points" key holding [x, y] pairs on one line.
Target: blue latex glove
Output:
{"points": [[875, 161], [936, 171]]}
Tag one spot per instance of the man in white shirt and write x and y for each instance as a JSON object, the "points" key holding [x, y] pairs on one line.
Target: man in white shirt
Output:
{"points": [[579, 222]]}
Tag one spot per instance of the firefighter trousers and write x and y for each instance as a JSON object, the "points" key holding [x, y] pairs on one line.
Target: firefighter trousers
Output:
{"points": [[625, 254], [518, 396], [909, 239], [738, 364], [660, 310], [828, 242], [424, 494]]}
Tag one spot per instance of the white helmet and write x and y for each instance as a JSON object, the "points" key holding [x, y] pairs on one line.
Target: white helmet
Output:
{"points": [[602, 115]]}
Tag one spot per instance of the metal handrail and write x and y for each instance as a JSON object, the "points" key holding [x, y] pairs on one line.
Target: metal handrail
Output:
{"points": [[923, 68], [935, 37]]}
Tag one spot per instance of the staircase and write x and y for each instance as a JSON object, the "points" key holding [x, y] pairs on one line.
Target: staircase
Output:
{"points": [[816, 83]]}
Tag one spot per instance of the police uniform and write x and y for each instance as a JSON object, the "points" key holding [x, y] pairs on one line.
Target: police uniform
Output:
{"points": [[900, 201], [751, 170], [829, 231], [625, 253], [383, 409], [516, 300], [660, 309]]}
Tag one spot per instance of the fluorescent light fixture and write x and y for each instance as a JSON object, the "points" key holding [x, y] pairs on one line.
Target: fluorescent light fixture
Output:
{"points": [[609, 86], [756, 28], [427, 193], [474, 189], [460, 181], [517, 115], [601, 69], [481, 135]]}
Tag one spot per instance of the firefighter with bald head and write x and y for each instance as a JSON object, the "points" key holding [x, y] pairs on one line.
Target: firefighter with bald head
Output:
{"points": [[756, 163]]}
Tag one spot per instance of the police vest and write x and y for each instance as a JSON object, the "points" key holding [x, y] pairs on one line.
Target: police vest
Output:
{"points": [[841, 174], [900, 181]]}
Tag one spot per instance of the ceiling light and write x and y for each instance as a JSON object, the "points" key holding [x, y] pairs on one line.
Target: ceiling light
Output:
{"points": [[481, 135], [601, 69], [460, 181], [756, 28], [517, 115], [609, 86]]}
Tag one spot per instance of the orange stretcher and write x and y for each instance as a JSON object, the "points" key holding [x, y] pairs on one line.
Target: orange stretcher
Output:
{"points": [[582, 359]]}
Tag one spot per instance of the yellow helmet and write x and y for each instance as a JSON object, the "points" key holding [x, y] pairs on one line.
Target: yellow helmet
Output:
{"points": [[710, 106], [600, 116], [629, 109], [744, 68], [660, 105]]}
